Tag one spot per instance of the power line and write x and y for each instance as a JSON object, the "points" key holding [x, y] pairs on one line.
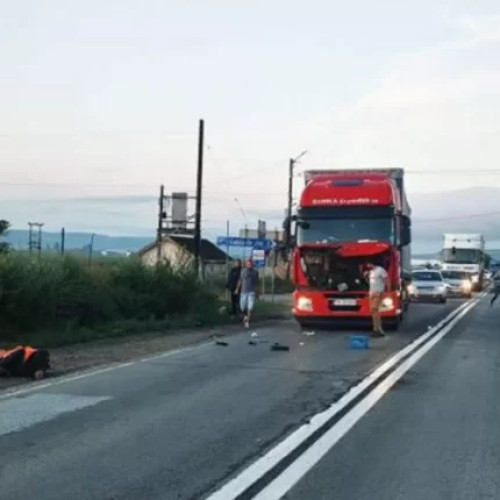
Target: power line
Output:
{"points": [[492, 171], [470, 216]]}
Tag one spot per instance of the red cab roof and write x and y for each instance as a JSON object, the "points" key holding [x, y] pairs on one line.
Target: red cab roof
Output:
{"points": [[350, 189]]}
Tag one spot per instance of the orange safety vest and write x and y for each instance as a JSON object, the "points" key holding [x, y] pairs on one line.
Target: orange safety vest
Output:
{"points": [[28, 352]]}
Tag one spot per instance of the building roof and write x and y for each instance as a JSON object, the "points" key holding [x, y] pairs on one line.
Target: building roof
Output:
{"points": [[209, 251]]}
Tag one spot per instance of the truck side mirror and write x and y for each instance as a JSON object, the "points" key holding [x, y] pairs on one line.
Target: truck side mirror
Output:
{"points": [[405, 231]]}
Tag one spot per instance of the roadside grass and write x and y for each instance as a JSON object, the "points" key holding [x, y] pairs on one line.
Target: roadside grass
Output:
{"points": [[61, 300]]}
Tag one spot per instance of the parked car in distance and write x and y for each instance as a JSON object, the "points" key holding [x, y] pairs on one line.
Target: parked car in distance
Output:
{"points": [[460, 284], [428, 285]]}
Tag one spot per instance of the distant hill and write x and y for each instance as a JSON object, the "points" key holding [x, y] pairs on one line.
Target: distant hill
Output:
{"points": [[75, 241]]}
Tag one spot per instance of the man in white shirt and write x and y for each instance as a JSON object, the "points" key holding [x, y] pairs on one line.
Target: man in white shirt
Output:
{"points": [[377, 277]]}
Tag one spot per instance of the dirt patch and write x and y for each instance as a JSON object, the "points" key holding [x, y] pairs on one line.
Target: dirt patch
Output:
{"points": [[79, 357]]}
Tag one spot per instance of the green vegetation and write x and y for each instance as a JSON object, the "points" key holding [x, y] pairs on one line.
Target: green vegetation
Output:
{"points": [[57, 300], [70, 299]]}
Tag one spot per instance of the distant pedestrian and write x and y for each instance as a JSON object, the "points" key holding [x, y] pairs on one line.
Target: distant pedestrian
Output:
{"points": [[248, 287], [233, 280], [496, 287], [377, 277]]}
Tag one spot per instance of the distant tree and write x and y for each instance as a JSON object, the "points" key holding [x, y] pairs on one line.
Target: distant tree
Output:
{"points": [[4, 227]]}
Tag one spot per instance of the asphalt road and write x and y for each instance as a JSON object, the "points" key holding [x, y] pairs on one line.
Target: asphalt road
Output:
{"points": [[180, 425], [435, 436]]}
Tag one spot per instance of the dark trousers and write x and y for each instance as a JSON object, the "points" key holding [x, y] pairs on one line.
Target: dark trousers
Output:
{"points": [[496, 293], [235, 303]]}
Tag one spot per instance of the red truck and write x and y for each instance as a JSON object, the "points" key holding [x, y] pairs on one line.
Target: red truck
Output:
{"points": [[346, 219]]}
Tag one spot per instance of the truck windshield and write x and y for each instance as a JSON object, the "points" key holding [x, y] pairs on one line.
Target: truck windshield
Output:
{"points": [[454, 275], [312, 230], [461, 255]]}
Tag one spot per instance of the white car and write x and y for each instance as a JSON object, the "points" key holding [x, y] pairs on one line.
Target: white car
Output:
{"points": [[459, 282], [428, 285]]}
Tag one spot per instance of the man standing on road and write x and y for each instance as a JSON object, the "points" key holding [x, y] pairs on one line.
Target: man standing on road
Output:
{"points": [[232, 285], [248, 287], [377, 277]]}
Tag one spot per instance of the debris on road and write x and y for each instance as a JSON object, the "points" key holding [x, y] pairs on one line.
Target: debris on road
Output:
{"points": [[254, 335], [309, 333], [279, 347], [221, 342], [252, 342]]}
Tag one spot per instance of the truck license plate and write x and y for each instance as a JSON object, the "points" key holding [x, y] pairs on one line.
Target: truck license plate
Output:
{"points": [[344, 302]]}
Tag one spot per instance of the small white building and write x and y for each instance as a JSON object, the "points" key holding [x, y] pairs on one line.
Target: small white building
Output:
{"points": [[179, 251]]}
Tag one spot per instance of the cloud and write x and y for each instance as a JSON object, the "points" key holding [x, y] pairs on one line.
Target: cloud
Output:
{"points": [[479, 29], [435, 109]]}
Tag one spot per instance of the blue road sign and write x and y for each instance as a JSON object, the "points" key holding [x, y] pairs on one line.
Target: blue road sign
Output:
{"points": [[233, 241]]}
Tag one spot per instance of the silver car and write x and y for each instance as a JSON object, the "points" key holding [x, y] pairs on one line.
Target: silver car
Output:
{"points": [[459, 282], [428, 285]]}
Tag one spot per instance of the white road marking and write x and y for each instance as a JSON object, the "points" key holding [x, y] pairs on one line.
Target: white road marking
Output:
{"points": [[299, 468], [19, 413], [260, 467]]}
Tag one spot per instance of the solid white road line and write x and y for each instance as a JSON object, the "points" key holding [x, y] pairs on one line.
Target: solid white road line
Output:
{"points": [[260, 467], [298, 469]]}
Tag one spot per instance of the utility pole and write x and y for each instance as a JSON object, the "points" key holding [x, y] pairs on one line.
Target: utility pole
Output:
{"points": [[199, 187], [91, 249], [35, 238], [291, 168], [161, 216], [63, 240], [227, 247], [290, 196], [245, 247]]}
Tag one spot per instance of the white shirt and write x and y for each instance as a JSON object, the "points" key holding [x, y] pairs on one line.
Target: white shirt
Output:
{"points": [[377, 278]]}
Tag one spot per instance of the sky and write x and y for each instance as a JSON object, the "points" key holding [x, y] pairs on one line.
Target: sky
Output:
{"points": [[100, 102]]}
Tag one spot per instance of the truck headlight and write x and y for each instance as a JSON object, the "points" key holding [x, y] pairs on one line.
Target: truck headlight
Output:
{"points": [[411, 289], [475, 278], [387, 304], [304, 304]]}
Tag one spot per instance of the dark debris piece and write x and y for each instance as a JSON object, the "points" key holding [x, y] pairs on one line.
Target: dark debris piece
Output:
{"points": [[279, 347]]}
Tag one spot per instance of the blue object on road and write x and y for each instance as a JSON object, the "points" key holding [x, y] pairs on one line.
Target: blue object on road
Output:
{"points": [[359, 342]]}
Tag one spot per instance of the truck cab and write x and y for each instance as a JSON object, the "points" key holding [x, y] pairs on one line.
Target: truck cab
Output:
{"points": [[345, 220], [465, 253]]}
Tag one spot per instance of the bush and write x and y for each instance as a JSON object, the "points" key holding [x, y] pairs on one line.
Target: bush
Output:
{"points": [[64, 293]]}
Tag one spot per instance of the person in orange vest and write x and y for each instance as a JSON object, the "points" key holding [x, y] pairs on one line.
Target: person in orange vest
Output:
{"points": [[24, 361]]}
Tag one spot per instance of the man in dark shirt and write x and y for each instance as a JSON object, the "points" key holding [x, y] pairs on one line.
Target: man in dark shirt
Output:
{"points": [[232, 285], [496, 287]]}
